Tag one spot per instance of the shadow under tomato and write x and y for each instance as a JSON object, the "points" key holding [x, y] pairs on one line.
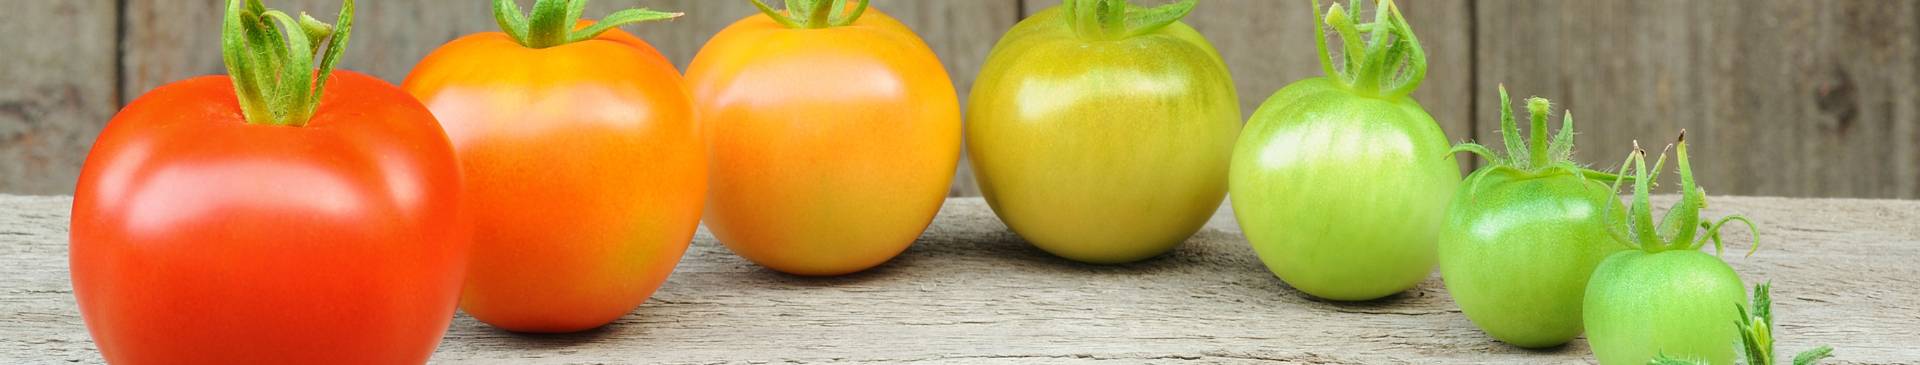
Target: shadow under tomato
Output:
{"points": [[978, 235], [877, 273], [1426, 298], [467, 330]]}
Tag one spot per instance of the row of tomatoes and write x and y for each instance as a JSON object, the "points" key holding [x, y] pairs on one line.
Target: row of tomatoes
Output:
{"points": [[549, 177]]}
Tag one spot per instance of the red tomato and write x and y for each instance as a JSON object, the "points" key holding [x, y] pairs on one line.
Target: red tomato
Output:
{"points": [[833, 144], [585, 169], [198, 238]]}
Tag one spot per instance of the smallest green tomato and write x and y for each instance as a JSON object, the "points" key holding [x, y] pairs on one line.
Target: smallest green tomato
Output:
{"points": [[1665, 297], [1524, 233], [1101, 132]]}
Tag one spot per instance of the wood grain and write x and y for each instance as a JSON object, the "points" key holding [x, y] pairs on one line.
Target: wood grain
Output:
{"points": [[1779, 97], [971, 292], [56, 90]]}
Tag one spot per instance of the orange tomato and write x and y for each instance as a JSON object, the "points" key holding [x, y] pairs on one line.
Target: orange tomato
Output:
{"points": [[586, 173], [832, 147]]}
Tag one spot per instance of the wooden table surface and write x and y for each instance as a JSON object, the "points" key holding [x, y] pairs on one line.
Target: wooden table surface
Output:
{"points": [[1845, 272]]}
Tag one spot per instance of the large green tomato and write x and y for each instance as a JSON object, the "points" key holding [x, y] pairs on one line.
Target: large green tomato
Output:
{"points": [[1103, 145], [1524, 233], [1340, 185], [1665, 297]]}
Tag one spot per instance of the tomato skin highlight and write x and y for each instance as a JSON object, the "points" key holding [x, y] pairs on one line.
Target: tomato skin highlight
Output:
{"points": [[831, 148], [585, 168], [1516, 252], [197, 238], [1342, 195], [1102, 151], [1681, 303]]}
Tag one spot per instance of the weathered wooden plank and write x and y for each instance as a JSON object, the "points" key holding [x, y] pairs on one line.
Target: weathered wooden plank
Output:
{"points": [[1779, 97], [167, 41], [970, 291], [56, 90], [1269, 44]]}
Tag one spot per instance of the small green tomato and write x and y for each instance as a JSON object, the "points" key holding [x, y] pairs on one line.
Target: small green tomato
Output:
{"points": [[1525, 232], [1665, 296]]}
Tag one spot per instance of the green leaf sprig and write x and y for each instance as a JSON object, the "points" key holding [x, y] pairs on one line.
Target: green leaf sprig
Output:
{"points": [[1117, 19], [1380, 58], [814, 14], [272, 69], [1756, 335], [553, 21]]}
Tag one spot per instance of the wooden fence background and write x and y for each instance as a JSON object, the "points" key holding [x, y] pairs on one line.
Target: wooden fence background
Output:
{"points": [[1780, 97]]}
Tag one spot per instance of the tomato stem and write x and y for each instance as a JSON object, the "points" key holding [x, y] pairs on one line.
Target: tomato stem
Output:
{"points": [[1381, 58], [821, 12], [272, 70], [555, 22], [1100, 20], [814, 14], [1538, 154]]}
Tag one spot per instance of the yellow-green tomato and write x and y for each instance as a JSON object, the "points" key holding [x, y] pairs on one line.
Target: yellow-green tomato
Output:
{"points": [[1104, 145], [1340, 183]]}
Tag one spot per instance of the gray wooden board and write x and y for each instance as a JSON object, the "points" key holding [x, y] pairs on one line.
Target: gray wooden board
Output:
{"points": [[1780, 97], [56, 90], [1784, 97], [971, 292]]}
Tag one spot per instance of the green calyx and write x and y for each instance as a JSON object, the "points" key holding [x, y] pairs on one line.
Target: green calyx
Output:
{"points": [[552, 22], [1756, 335], [1534, 156], [1117, 19], [272, 70], [1682, 227], [814, 14], [1386, 61], [1537, 153]]}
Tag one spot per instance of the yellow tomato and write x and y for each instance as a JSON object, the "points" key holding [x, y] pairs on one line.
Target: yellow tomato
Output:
{"points": [[1103, 145]]}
